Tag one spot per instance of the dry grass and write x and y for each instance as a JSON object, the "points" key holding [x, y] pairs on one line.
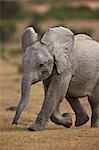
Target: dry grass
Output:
{"points": [[54, 136]]}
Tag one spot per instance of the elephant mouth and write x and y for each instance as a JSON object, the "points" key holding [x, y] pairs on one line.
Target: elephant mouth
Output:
{"points": [[41, 76], [34, 82]]}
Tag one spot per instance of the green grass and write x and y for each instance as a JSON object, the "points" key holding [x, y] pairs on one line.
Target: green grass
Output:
{"points": [[10, 8], [71, 13]]}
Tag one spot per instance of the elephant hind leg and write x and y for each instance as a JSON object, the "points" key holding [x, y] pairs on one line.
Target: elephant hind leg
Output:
{"points": [[81, 115], [94, 103]]}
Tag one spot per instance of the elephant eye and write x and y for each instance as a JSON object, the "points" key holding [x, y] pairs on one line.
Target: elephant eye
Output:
{"points": [[41, 65], [49, 61]]}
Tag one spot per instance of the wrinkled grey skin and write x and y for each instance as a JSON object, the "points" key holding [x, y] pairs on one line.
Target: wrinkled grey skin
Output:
{"points": [[68, 67]]}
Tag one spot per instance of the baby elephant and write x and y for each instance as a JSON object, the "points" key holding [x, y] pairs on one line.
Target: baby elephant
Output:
{"points": [[68, 65]]}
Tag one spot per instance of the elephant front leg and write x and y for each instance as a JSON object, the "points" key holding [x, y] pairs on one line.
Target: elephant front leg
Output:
{"points": [[48, 107], [64, 120], [56, 91], [56, 117]]}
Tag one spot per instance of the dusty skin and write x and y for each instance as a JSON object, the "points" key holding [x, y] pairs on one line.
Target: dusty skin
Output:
{"points": [[54, 136]]}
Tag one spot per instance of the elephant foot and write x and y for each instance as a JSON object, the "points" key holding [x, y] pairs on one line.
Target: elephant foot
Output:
{"points": [[64, 120], [36, 127], [68, 120], [81, 119]]}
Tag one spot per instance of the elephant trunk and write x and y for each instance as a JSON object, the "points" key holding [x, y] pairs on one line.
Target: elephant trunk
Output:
{"points": [[25, 90]]}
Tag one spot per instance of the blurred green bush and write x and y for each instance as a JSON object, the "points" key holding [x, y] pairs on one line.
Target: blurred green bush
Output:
{"points": [[7, 31], [10, 9]]}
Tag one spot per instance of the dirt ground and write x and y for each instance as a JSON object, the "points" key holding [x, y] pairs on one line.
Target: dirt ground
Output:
{"points": [[54, 137]]}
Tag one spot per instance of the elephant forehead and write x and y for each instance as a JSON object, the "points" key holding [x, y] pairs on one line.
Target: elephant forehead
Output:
{"points": [[40, 56], [34, 58], [43, 57]]}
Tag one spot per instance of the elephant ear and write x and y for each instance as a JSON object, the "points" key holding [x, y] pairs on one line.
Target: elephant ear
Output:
{"points": [[59, 41], [28, 38]]}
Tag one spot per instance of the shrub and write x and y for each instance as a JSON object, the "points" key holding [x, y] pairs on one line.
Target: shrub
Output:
{"points": [[10, 9], [7, 31]]}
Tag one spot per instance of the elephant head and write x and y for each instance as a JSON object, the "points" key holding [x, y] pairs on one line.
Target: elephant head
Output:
{"points": [[40, 57]]}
